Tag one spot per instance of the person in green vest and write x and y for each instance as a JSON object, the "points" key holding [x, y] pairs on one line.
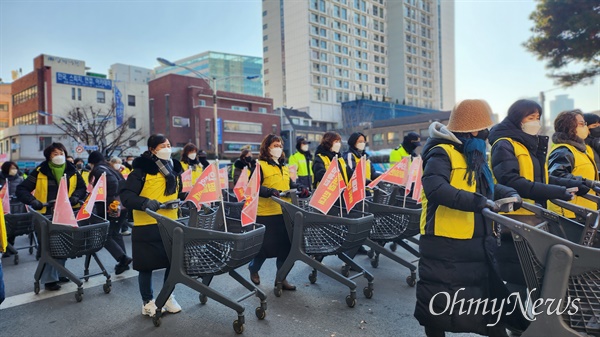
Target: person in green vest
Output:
{"points": [[302, 159], [410, 143], [457, 244]]}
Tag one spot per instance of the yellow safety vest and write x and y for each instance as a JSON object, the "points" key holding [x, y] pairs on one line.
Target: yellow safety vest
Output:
{"points": [[154, 188], [273, 177], [196, 172], [368, 165], [397, 154], [342, 163], [585, 166], [3, 237], [525, 170], [449, 222], [85, 175], [41, 188]]}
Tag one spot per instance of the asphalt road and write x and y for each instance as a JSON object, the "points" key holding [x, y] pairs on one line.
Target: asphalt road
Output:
{"points": [[313, 310]]}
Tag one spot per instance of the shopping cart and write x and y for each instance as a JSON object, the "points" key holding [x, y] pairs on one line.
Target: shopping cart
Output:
{"points": [[20, 222], [66, 242], [391, 224], [198, 247], [314, 236], [557, 269]]}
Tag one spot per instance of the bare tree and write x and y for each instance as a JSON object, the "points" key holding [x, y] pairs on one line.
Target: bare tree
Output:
{"points": [[94, 126]]}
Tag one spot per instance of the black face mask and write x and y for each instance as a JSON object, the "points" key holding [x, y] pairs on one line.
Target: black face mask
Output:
{"points": [[483, 134], [248, 159], [79, 166], [595, 132]]}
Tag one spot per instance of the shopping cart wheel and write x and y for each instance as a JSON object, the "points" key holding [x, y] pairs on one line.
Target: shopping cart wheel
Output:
{"points": [[411, 280], [16, 260], [278, 290], [260, 313], [375, 262], [36, 288], [312, 277], [350, 301], [346, 270], [107, 288], [393, 246], [203, 299], [156, 319], [30, 250], [368, 292], [371, 253], [238, 327], [79, 295]]}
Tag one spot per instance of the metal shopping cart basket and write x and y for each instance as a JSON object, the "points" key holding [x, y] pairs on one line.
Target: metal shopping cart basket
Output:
{"points": [[198, 247], [20, 222], [391, 223], [66, 242], [314, 236], [558, 269]]}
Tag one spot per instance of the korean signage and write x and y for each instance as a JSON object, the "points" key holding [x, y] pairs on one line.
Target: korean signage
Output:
{"points": [[83, 81]]}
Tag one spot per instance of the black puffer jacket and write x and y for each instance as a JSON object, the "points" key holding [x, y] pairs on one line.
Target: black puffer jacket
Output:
{"points": [[114, 180], [561, 162], [319, 166], [505, 165], [350, 158], [465, 268]]}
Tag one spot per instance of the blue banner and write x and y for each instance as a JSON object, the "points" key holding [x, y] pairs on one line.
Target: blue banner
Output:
{"points": [[83, 81], [120, 107], [219, 131]]}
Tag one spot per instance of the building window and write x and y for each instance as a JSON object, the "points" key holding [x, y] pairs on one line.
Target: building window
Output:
{"points": [[378, 139], [79, 94], [3, 106], [130, 100], [239, 108], [44, 142], [243, 127], [28, 119], [100, 96], [265, 37], [132, 143], [207, 132], [73, 93], [264, 13], [201, 102], [132, 123], [262, 110]]}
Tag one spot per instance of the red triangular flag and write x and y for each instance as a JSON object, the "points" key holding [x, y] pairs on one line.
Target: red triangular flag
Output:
{"points": [[240, 184], [186, 180], [398, 173], [98, 191], [293, 169], [223, 178], [355, 191], [63, 213], [417, 193], [250, 210], [328, 190], [253, 185], [205, 190], [101, 188], [5, 198], [413, 173]]}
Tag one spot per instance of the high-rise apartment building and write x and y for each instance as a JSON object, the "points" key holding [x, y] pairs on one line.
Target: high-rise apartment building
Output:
{"points": [[222, 65], [320, 53], [560, 103]]}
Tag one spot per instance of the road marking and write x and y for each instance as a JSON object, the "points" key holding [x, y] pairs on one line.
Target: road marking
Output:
{"points": [[66, 288]]}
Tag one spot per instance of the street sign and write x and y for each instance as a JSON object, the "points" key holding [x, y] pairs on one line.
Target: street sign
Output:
{"points": [[79, 149], [91, 147]]}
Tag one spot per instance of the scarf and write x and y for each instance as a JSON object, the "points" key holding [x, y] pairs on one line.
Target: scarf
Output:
{"points": [[475, 151], [166, 168], [57, 170]]}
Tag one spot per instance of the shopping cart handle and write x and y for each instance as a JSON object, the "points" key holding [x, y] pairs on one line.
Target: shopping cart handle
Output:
{"points": [[49, 203], [592, 197], [506, 204], [288, 193], [172, 204]]}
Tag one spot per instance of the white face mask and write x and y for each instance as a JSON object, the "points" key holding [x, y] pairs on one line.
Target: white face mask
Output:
{"points": [[130, 162], [336, 147], [117, 166], [192, 156], [12, 172], [531, 127], [58, 160], [276, 152], [361, 146], [582, 132], [164, 153], [304, 147]]}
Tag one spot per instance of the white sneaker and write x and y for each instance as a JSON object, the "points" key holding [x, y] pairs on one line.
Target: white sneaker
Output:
{"points": [[171, 305], [149, 309]]}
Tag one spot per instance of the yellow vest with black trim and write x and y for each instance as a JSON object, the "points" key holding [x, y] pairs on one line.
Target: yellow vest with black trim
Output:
{"points": [[304, 168], [342, 163], [449, 222], [526, 170], [585, 166], [397, 154], [154, 189], [368, 165], [3, 237], [85, 175], [273, 177], [41, 188], [196, 172]]}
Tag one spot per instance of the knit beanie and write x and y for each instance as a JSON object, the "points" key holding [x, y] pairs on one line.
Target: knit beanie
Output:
{"points": [[470, 115], [95, 157], [591, 118]]}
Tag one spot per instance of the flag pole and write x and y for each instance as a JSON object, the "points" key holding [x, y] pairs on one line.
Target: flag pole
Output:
{"points": [[364, 191], [337, 180], [221, 196], [105, 198]]}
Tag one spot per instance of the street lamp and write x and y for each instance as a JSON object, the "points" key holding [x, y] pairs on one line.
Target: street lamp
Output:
{"points": [[213, 83]]}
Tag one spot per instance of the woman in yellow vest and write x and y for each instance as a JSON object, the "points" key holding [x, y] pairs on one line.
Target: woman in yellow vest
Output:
{"points": [[457, 244], [356, 149], [330, 146], [155, 180], [572, 159], [189, 159], [44, 180], [275, 178]]}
